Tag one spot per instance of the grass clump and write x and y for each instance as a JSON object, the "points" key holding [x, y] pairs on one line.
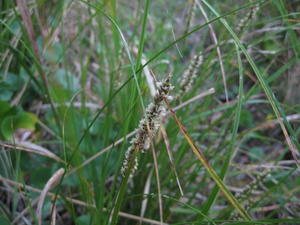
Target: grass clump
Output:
{"points": [[84, 91]]}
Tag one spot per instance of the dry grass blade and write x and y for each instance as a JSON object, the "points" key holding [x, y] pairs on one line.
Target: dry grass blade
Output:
{"points": [[33, 148], [158, 184], [147, 72], [146, 192], [137, 218], [53, 216], [89, 105], [272, 123], [80, 203], [52, 182], [209, 169], [269, 165], [17, 99], [167, 143], [199, 96], [25, 14]]}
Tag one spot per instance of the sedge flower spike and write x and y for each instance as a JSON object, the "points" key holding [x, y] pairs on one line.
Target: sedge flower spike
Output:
{"points": [[244, 22], [148, 126], [189, 75], [190, 16]]}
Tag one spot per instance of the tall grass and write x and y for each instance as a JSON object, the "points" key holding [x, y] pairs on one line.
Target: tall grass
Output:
{"points": [[76, 80]]}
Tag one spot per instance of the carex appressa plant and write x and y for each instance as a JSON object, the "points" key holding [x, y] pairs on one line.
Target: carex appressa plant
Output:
{"points": [[148, 126]]}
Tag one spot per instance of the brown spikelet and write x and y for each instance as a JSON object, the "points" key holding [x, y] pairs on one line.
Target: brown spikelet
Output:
{"points": [[147, 126]]}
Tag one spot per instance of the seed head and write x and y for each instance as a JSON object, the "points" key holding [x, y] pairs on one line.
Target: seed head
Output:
{"points": [[190, 75], [148, 126], [244, 22]]}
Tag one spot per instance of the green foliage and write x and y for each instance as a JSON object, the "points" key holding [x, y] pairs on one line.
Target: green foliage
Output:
{"points": [[9, 86], [21, 120], [77, 82], [246, 118], [84, 220], [256, 154], [4, 221]]}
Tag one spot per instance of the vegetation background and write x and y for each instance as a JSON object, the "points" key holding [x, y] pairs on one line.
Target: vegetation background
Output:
{"points": [[77, 76]]}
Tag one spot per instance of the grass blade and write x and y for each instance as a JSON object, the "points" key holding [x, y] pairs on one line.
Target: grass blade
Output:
{"points": [[209, 169]]}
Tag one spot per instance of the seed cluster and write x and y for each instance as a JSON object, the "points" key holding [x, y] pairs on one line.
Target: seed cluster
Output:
{"points": [[244, 22], [245, 197], [190, 75], [148, 126], [190, 15], [254, 185]]}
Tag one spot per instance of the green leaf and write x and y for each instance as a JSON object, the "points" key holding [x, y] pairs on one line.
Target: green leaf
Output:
{"points": [[256, 154], [67, 80], [39, 175], [83, 220], [182, 210], [11, 124], [271, 45], [246, 118], [54, 53], [4, 109], [11, 84], [5, 95], [4, 221]]}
